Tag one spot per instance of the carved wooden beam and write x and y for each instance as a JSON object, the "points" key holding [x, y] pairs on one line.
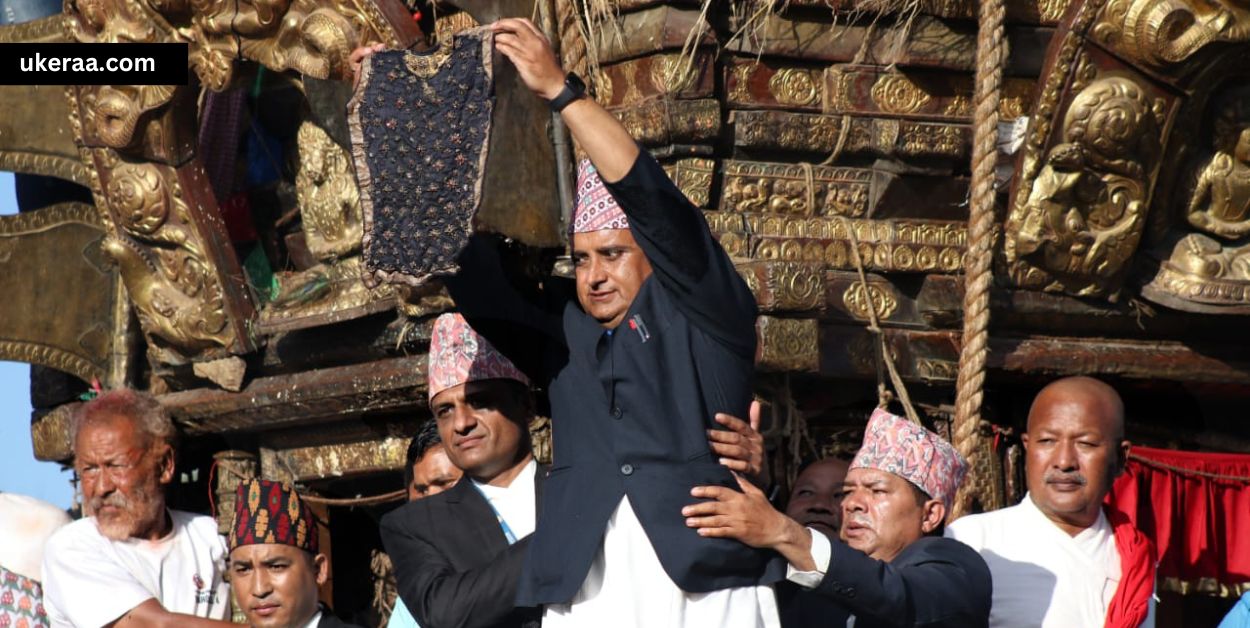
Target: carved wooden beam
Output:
{"points": [[693, 177], [939, 96], [665, 122], [924, 42], [308, 397], [1027, 11], [338, 460], [883, 137], [654, 76], [652, 30], [933, 357], [795, 190], [787, 344]]}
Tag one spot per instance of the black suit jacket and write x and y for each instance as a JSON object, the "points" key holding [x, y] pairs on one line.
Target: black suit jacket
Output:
{"points": [[934, 582], [630, 409], [453, 564], [328, 620]]}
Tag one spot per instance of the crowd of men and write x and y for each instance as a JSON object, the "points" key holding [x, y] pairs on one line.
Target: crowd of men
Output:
{"points": [[654, 511]]}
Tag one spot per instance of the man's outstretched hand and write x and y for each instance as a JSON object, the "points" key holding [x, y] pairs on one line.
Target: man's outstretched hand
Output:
{"points": [[749, 518], [530, 51], [741, 446]]}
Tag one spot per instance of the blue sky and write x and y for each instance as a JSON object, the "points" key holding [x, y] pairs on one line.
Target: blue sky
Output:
{"points": [[19, 471]]}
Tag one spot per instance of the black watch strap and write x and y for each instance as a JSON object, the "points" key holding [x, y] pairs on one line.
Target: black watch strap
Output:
{"points": [[574, 88]]}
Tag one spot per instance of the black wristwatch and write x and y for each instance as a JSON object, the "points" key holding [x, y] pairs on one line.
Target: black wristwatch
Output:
{"points": [[574, 88]]}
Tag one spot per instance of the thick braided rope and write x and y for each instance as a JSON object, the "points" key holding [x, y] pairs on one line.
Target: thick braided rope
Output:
{"points": [[969, 388]]}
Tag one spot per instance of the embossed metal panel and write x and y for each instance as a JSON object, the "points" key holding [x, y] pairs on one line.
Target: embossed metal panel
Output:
{"points": [[58, 290]]}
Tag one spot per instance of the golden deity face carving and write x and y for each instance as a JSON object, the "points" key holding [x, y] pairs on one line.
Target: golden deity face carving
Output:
{"points": [[1085, 211]]}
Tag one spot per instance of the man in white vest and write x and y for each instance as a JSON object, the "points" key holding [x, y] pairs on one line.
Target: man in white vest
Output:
{"points": [[1060, 558], [131, 561]]}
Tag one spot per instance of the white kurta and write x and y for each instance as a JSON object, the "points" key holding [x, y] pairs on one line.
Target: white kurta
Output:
{"points": [[627, 586], [1043, 576]]}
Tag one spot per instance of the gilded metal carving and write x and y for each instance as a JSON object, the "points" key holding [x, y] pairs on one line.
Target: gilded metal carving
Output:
{"points": [[50, 434], [785, 286], [724, 222], [664, 122], [319, 462], [922, 95], [796, 87], [1209, 271], [661, 74], [311, 37], [35, 137], [1166, 32], [329, 200], [50, 262], [1080, 223], [1220, 204], [693, 177], [329, 204], [233, 468], [788, 344], [895, 93], [857, 301], [802, 132], [884, 245], [790, 189]]}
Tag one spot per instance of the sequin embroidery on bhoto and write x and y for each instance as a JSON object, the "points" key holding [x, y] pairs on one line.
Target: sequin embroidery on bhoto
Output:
{"points": [[420, 126]]}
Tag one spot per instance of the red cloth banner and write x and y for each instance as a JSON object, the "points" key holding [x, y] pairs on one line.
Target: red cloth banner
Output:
{"points": [[1195, 507]]}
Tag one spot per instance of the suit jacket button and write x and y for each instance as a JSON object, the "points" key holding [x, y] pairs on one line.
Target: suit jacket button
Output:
{"points": [[616, 413], [627, 469]]}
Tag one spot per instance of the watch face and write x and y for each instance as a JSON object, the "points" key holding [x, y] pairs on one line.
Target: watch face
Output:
{"points": [[575, 83]]}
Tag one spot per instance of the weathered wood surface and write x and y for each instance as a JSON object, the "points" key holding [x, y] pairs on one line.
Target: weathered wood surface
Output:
{"points": [[303, 398]]}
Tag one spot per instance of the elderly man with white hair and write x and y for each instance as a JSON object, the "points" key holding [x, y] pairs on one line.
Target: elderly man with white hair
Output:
{"points": [[131, 561]]}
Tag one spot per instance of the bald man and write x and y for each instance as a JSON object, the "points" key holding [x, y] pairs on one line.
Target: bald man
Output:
{"points": [[1060, 558]]}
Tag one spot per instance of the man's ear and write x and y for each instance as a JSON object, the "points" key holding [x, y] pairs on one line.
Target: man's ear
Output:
{"points": [[1121, 456], [934, 515], [321, 565], [165, 463]]}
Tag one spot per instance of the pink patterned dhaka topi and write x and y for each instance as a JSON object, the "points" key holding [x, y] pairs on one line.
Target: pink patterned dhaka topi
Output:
{"points": [[898, 446], [458, 355], [595, 209]]}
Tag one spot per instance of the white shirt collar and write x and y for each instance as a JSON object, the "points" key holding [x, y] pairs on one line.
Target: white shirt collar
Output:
{"points": [[316, 619], [1099, 528], [523, 480]]}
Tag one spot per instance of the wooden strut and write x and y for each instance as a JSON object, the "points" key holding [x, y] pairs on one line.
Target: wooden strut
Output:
{"points": [[978, 275]]}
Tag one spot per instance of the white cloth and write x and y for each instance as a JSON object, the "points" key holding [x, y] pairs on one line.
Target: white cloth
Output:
{"points": [[822, 552], [316, 619], [1043, 576], [627, 586], [26, 524], [514, 503], [91, 580]]}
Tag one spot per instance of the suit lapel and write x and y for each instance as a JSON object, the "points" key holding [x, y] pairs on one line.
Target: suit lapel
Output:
{"points": [[473, 527], [540, 479]]}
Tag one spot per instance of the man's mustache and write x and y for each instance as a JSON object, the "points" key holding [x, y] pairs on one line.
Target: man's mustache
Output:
{"points": [[117, 500], [858, 519], [1052, 477]]}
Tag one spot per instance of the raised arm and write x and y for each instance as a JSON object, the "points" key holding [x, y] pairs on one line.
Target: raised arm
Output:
{"points": [[670, 230]]}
